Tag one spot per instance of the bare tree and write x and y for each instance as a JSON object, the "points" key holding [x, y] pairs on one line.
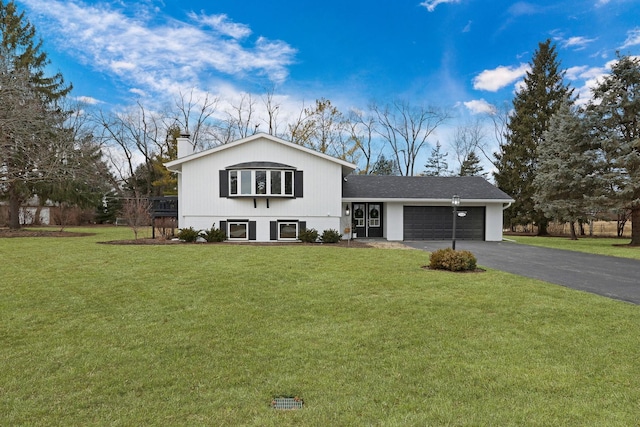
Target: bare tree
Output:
{"points": [[136, 211], [468, 138], [133, 138], [196, 116], [362, 128], [272, 112], [405, 128], [241, 121]]}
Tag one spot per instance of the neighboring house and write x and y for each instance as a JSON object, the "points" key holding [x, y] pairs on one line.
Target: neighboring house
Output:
{"points": [[264, 188]]}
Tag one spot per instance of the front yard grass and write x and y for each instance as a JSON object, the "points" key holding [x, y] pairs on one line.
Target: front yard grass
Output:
{"points": [[611, 246], [190, 335]]}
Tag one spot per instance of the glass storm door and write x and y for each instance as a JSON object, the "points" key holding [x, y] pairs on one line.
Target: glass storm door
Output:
{"points": [[367, 219]]}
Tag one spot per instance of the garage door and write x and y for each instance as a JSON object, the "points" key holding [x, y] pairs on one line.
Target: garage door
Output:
{"points": [[436, 223]]}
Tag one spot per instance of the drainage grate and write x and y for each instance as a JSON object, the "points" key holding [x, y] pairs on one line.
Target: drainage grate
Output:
{"points": [[287, 403]]}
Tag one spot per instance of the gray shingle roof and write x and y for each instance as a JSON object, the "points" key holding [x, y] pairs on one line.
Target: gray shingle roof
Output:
{"points": [[420, 187]]}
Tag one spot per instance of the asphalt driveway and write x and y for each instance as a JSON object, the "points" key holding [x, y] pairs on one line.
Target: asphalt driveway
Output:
{"points": [[612, 277]]}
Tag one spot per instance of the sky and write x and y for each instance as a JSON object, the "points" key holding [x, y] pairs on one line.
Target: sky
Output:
{"points": [[465, 56]]}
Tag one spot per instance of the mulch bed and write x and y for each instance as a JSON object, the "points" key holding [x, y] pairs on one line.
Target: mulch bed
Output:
{"points": [[5, 232], [345, 244]]}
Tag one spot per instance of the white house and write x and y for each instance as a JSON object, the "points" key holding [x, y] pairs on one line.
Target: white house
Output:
{"points": [[264, 188]]}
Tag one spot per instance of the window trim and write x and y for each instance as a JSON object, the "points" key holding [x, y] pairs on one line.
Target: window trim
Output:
{"points": [[246, 225], [279, 230], [240, 176]]}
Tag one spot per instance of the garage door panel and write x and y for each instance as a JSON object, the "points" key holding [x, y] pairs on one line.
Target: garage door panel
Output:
{"points": [[436, 223]]}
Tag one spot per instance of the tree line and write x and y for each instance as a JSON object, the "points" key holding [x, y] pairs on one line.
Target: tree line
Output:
{"points": [[567, 160]]}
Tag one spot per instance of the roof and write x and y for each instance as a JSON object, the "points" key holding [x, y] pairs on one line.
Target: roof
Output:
{"points": [[176, 165], [437, 188]]}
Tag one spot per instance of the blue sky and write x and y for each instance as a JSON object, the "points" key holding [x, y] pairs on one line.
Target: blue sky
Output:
{"points": [[461, 55]]}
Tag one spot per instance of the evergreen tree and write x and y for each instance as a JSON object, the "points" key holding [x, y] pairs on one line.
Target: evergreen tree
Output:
{"points": [[517, 160], [437, 164], [615, 118], [471, 166], [34, 145], [567, 160], [384, 166]]}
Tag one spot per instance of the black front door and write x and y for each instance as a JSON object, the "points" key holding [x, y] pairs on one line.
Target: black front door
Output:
{"points": [[367, 219]]}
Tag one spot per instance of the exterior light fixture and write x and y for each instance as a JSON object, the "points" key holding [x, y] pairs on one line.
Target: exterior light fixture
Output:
{"points": [[455, 202], [347, 211]]}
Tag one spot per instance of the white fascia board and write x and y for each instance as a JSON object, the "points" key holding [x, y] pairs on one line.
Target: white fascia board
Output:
{"points": [[438, 202], [175, 165]]}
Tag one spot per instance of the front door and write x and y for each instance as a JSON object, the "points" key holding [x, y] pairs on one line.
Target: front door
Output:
{"points": [[367, 219]]}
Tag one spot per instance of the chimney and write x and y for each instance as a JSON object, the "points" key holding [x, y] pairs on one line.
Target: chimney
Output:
{"points": [[185, 147]]}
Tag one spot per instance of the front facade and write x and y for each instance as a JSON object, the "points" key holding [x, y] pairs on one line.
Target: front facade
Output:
{"points": [[263, 188]]}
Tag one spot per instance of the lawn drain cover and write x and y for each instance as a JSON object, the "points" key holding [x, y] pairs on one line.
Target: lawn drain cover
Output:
{"points": [[287, 403]]}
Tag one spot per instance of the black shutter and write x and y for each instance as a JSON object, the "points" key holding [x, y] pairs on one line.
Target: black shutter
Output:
{"points": [[252, 230], [224, 183], [302, 225], [223, 227], [273, 230], [298, 184]]}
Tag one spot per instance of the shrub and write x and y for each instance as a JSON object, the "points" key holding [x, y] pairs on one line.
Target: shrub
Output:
{"points": [[308, 235], [331, 236], [214, 234], [188, 234], [448, 259]]}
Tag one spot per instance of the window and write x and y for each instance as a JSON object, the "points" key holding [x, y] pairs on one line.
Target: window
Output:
{"points": [[374, 215], [358, 215], [287, 230], [276, 182], [238, 231], [245, 182], [261, 183], [233, 182]]}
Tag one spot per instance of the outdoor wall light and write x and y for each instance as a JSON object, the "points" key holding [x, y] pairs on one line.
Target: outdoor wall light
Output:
{"points": [[347, 211]]}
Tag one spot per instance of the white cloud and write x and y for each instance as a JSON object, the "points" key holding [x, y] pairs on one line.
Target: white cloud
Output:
{"points": [[223, 25], [578, 43], [496, 79], [480, 106], [633, 38], [149, 55], [432, 4], [88, 100]]}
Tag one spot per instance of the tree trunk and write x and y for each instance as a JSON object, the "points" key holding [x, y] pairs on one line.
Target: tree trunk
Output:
{"points": [[14, 208], [572, 227], [635, 226], [542, 228]]}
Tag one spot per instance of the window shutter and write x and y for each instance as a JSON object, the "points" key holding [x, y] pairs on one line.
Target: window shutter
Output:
{"points": [[223, 227], [298, 183], [302, 225], [252, 230], [273, 230], [224, 183]]}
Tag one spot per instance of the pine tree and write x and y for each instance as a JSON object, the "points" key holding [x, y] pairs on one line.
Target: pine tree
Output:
{"points": [[437, 164], [517, 160], [384, 166], [615, 117], [564, 183], [33, 141], [471, 166]]}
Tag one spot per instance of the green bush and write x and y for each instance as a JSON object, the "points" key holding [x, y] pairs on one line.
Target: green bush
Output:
{"points": [[331, 236], [448, 259], [188, 234], [308, 235], [214, 234]]}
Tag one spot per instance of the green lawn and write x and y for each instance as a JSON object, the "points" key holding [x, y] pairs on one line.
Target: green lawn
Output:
{"points": [[94, 334], [618, 247]]}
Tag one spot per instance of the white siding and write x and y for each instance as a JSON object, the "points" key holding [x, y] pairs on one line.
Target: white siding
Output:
{"points": [[201, 205], [493, 224]]}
